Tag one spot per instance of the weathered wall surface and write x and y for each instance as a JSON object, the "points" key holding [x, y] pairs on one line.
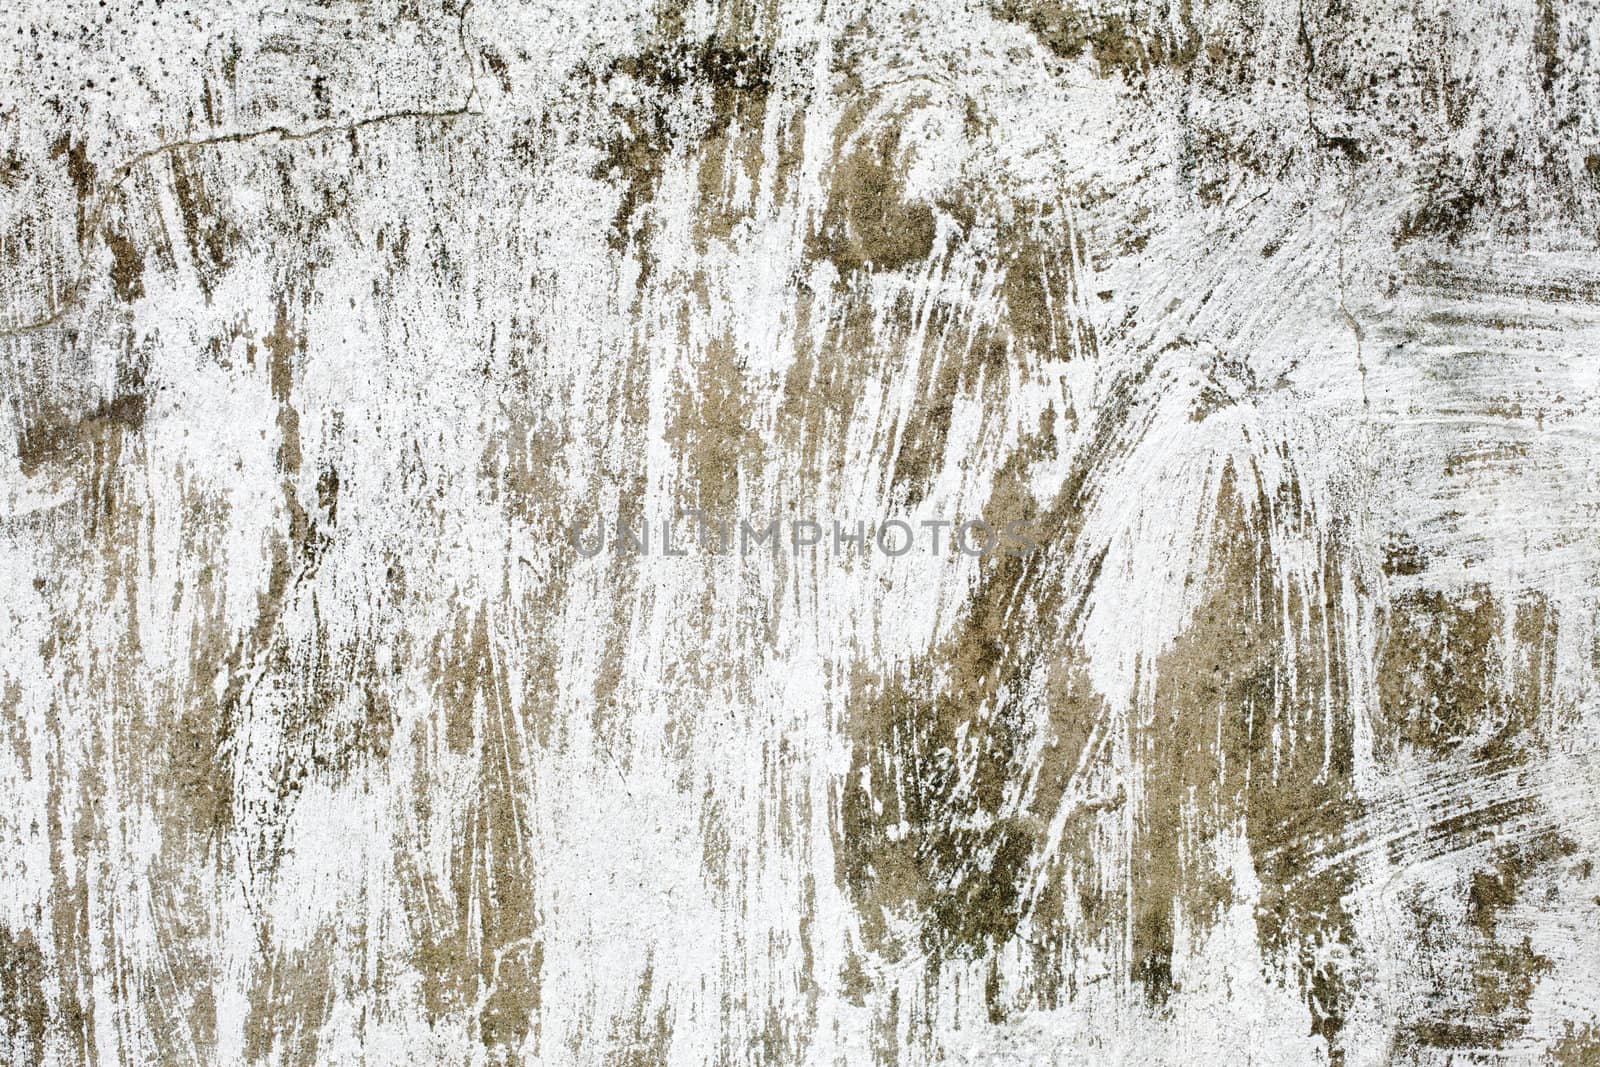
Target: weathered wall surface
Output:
{"points": [[322, 324]]}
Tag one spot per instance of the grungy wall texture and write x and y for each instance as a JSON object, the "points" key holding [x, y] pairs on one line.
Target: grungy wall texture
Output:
{"points": [[1270, 328]]}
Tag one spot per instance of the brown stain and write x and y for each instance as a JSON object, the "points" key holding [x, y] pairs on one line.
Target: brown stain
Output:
{"points": [[943, 837], [824, 384], [935, 834], [1467, 673], [290, 1000], [99, 530], [711, 431], [71, 827], [1235, 738], [206, 229], [124, 763], [83, 174], [127, 267], [58, 438], [24, 1009], [285, 347], [11, 712], [1449, 209], [731, 82], [197, 741], [522, 464], [1041, 283], [868, 222], [730, 151], [336, 714], [194, 790], [1447, 677], [944, 372], [466, 673], [868, 226], [1492, 1008], [193, 794], [957, 868], [195, 773], [972, 351], [12, 169], [480, 943], [1547, 44], [957, 346], [1117, 43], [641, 1034], [1578, 1046]]}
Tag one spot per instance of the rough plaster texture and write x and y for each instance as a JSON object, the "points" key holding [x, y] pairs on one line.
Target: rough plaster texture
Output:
{"points": [[322, 325]]}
